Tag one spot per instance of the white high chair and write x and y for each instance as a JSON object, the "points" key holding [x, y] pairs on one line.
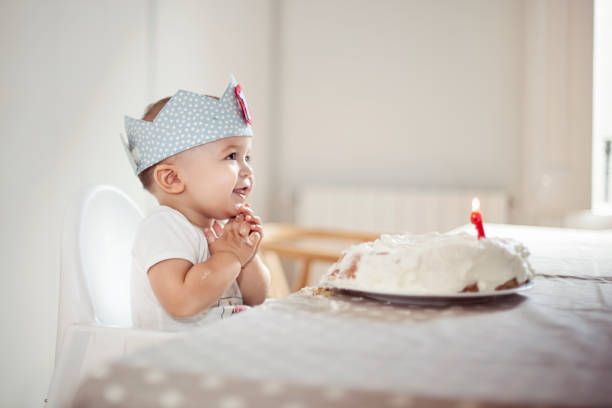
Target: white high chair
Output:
{"points": [[94, 317]]}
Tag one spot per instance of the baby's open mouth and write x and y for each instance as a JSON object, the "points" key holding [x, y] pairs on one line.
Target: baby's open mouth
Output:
{"points": [[241, 192]]}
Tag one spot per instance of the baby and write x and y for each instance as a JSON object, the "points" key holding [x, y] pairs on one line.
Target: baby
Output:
{"points": [[192, 152]]}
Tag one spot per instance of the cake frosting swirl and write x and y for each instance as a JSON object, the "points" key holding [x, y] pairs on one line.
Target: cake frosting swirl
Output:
{"points": [[432, 263]]}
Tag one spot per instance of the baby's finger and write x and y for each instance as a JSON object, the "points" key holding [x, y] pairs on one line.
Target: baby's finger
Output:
{"points": [[244, 229], [253, 219], [210, 236], [256, 227], [255, 237], [246, 210], [217, 228], [236, 223]]}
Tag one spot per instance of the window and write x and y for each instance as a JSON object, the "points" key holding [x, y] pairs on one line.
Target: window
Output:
{"points": [[602, 108]]}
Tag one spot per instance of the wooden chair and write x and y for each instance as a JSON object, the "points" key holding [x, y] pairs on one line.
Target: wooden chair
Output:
{"points": [[306, 245]]}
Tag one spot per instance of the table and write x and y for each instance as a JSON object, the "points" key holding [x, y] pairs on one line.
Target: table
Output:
{"points": [[551, 346]]}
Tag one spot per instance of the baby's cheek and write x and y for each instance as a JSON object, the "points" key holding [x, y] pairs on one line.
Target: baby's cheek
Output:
{"points": [[225, 182]]}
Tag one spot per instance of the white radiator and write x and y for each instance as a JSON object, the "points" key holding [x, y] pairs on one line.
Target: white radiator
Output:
{"points": [[377, 210]]}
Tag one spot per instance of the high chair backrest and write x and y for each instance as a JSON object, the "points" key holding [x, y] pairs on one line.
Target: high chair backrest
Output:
{"points": [[99, 229]]}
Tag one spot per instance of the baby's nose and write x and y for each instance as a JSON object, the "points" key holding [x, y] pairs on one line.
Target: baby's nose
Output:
{"points": [[245, 170]]}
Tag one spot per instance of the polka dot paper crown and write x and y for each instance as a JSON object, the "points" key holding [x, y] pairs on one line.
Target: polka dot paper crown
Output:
{"points": [[186, 121]]}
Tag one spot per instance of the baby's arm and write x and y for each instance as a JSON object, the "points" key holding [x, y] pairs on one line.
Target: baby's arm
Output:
{"points": [[185, 289], [254, 280]]}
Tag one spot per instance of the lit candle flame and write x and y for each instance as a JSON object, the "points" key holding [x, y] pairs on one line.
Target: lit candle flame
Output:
{"points": [[475, 204]]}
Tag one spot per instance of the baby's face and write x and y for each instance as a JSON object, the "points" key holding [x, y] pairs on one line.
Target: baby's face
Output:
{"points": [[218, 177]]}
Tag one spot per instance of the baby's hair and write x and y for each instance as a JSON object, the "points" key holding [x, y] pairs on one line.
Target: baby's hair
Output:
{"points": [[146, 176]]}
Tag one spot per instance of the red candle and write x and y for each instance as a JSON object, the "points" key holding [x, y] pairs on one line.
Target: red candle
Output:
{"points": [[476, 218]]}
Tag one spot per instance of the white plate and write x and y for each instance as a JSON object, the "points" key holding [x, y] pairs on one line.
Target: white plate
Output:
{"points": [[433, 299]]}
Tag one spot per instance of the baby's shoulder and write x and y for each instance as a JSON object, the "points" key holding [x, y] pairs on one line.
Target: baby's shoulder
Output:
{"points": [[165, 219], [165, 214], [165, 234]]}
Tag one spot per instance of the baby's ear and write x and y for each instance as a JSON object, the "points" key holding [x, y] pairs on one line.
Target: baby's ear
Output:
{"points": [[166, 176]]}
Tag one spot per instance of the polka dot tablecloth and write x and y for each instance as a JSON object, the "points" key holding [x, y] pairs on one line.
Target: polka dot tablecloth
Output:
{"points": [[184, 390], [551, 346]]}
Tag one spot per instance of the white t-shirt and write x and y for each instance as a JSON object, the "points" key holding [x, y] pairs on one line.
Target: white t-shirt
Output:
{"points": [[167, 234]]}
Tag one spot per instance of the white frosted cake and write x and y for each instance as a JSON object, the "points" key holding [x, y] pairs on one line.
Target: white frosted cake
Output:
{"points": [[432, 264]]}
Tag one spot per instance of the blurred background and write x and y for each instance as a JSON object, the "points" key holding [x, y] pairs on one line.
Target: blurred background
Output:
{"points": [[366, 115]]}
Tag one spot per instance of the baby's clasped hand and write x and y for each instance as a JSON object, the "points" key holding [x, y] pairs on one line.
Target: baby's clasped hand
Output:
{"points": [[255, 222], [236, 237]]}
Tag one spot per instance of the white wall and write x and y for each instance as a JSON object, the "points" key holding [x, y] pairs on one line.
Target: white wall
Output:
{"points": [[602, 103], [66, 78], [438, 94], [401, 93], [556, 111]]}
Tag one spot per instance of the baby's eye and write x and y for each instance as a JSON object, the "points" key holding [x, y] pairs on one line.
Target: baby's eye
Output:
{"points": [[231, 156], [247, 158]]}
